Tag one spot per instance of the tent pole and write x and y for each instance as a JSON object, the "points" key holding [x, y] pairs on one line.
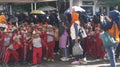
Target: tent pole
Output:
{"points": [[71, 3], [10, 9], [35, 5], [31, 6]]}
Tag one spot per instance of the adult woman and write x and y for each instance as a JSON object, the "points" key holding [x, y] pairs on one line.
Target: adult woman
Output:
{"points": [[74, 33], [63, 37], [107, 24]]}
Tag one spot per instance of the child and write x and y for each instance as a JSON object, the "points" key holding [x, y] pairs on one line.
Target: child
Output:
{"points": [[12, 48], [26, 41], [50, 39], [37, 48], [43, 35]]}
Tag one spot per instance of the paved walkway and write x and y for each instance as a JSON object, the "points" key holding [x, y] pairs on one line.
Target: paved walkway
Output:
{"points": [[91, 63]]}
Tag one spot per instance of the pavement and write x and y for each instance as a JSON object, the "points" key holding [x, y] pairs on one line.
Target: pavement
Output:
{"points": [[92, 62]]}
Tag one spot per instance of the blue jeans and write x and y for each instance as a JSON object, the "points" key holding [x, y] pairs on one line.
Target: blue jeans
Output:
{"points": [[111, 53]]}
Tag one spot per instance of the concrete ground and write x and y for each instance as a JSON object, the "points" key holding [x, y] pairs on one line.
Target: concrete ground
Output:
{"points": [[92, 62]]}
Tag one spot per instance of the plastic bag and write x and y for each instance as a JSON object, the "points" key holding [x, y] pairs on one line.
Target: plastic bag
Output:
{"points": [[77, 49]]}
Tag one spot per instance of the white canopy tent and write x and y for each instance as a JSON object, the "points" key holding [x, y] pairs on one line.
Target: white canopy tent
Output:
{"points": [[71, 4]]}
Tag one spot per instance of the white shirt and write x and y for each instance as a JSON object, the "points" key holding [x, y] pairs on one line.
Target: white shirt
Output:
{"points": [[72, 31], [37, 42]]}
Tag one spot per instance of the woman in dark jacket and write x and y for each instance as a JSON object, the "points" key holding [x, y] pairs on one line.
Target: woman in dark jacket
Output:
{"points": [[63, 37]]}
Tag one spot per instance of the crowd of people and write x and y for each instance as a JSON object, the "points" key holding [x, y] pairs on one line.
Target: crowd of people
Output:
{"points": [[33, 39]]}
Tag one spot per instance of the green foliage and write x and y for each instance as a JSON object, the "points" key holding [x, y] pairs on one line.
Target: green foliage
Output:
{"points": [[21, 7], [112, 2]]}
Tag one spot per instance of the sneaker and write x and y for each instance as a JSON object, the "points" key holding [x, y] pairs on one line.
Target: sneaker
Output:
{"points": [[48, 60], [34, 66], [64, 59], [44, 58], [75, 62], [29, 63], [71, 55], [5, 65], [52, 60], [55, 53], [83, 61], [58, 53], [16, 63]]}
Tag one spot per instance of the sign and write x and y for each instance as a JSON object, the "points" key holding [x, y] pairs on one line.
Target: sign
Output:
{"points": [[89, 10], [87, 2]]}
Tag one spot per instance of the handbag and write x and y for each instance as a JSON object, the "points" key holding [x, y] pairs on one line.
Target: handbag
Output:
{"points": [[82, 33], [107, 39], [77, 49]]}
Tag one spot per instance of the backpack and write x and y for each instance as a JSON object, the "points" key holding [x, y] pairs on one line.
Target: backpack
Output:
{"points": [[107, 39]]}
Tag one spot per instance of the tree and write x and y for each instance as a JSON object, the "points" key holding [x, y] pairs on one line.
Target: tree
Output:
{"points": [[63, 5], [112, 3]]}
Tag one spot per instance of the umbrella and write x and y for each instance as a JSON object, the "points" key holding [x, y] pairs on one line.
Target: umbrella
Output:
{"points": [[47, 8], [77, 8], [74, 9], [37, 12]]}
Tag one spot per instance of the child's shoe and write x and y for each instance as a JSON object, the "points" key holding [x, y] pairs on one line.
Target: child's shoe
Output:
{"points": [[52, 60], [48, 60]]}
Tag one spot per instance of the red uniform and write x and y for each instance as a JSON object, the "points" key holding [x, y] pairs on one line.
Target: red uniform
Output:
{"points": [[11, 50], [26, 46], [93, 46], [50, 39], [1, 45], [98, 50], [15, 44], [44, 44], [37, 50], [20, 50]]}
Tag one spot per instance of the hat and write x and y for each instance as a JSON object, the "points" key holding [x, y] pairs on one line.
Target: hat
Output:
{"points": [[28, 30], [36, 31], [3, 25], [50, 27], [97, 28], [7, 28]]}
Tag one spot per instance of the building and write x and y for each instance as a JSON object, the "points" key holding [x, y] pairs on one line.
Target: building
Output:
{"points": [[92, 6]]}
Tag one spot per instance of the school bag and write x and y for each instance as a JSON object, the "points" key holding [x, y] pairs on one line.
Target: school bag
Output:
{"points": [[107, 39]]}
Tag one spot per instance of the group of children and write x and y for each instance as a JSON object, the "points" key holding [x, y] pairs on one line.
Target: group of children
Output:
{"points": [[34, 42], [27, 41]]}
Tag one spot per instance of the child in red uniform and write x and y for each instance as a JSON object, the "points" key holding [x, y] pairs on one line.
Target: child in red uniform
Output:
{"points": [[37, 48], [1, 43], [11, 50], [50, 43], [44, 42], [98, 49], [26, 41]]}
